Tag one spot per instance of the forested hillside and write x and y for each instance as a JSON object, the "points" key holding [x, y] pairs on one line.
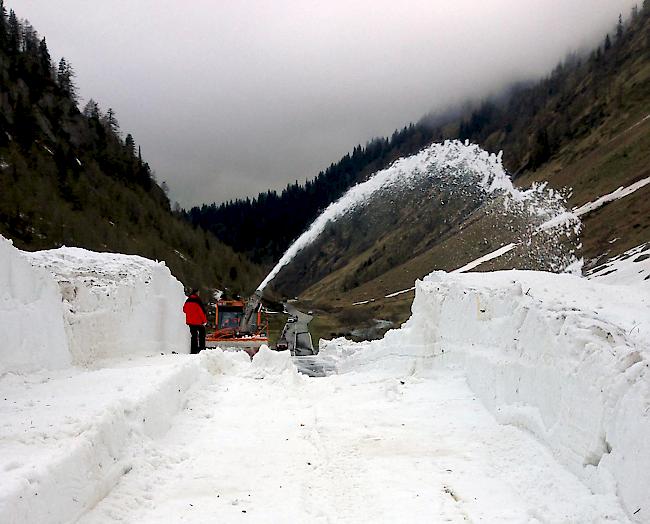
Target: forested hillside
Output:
{"points": [[534, 124], [71, 177]]}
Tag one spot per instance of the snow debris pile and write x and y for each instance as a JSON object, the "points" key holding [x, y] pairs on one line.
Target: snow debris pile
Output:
{"points": [[464, 169], [115, 305], [31, 316], [552, 354]]}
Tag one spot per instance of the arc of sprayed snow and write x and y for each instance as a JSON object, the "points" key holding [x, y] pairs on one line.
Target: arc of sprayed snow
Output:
{"points": [[487, 167]]}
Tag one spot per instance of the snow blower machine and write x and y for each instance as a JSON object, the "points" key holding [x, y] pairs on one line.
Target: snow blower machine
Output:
{"points": [[239, 325]]}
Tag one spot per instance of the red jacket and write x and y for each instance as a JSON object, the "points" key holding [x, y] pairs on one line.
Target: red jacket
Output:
{"points": [[194, 311]]}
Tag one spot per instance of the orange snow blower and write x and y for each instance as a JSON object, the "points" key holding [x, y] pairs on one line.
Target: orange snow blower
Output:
{"points": [[239, 325]]}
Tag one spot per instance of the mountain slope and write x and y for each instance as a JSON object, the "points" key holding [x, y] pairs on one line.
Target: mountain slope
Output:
{"points": [[590, 115], [69, 178], [543, 128]]}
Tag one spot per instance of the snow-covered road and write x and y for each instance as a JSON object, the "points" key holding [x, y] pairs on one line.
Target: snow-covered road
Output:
{"points": [[510, 396], [349, 448]]}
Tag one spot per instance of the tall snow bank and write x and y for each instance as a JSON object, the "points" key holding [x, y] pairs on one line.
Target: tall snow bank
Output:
{"points": [[561, 356], [116, 305], [32, 333]]}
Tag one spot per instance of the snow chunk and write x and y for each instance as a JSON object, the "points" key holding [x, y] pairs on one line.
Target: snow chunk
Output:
{"points": [[31, 316], [116, 305], [269, 362], [220, 362]]}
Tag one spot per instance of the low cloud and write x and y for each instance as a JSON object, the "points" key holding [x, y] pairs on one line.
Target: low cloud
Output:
{"points": [[231, 98]]}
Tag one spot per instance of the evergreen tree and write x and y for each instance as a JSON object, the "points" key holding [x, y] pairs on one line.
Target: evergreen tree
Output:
{"points": [[110, 120], [14, 34], [608, 43], [3, 25], [44, 58], [129, 145], [30, 39], [91, 110], [65, 75], [619, 28]]}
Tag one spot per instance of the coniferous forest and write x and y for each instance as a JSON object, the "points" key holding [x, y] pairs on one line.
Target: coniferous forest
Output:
{"points": [[71, 176]]}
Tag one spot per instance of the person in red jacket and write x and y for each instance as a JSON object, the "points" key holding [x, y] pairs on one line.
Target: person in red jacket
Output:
{"points": [[196, 318]]}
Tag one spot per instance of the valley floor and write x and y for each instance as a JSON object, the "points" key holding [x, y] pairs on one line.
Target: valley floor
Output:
{"points": [[256, 446]]}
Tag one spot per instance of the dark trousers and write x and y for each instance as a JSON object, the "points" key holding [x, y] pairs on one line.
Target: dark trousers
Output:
{"points": [[198, 339]]}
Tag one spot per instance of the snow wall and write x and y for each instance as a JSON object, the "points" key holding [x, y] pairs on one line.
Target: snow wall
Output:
{"points": [[560, 356], [32, 331], [116, 305], [73, 306]]}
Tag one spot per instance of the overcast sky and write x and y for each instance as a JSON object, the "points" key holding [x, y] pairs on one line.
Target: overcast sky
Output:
{"points": [[231, 97]]}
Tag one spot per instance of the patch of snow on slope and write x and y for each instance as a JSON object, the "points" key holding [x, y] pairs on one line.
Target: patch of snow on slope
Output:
{"points": [[116, 305], [553, 354], [629, 268], [31, 316], [610, 197], [485, 258]]}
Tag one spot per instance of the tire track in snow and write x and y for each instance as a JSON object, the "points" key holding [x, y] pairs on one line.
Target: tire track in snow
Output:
{"points": [[349, 448]]}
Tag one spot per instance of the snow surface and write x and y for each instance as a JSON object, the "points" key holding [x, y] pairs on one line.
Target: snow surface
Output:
{"points": [[630, 268], [67, 436], [507, 397], [565, 358], [73, 306], [359, 447]]}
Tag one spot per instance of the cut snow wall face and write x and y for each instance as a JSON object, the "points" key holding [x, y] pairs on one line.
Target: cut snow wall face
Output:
{"points": [[116, 305], [554, 355], [32, 334], [563, 357]]}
